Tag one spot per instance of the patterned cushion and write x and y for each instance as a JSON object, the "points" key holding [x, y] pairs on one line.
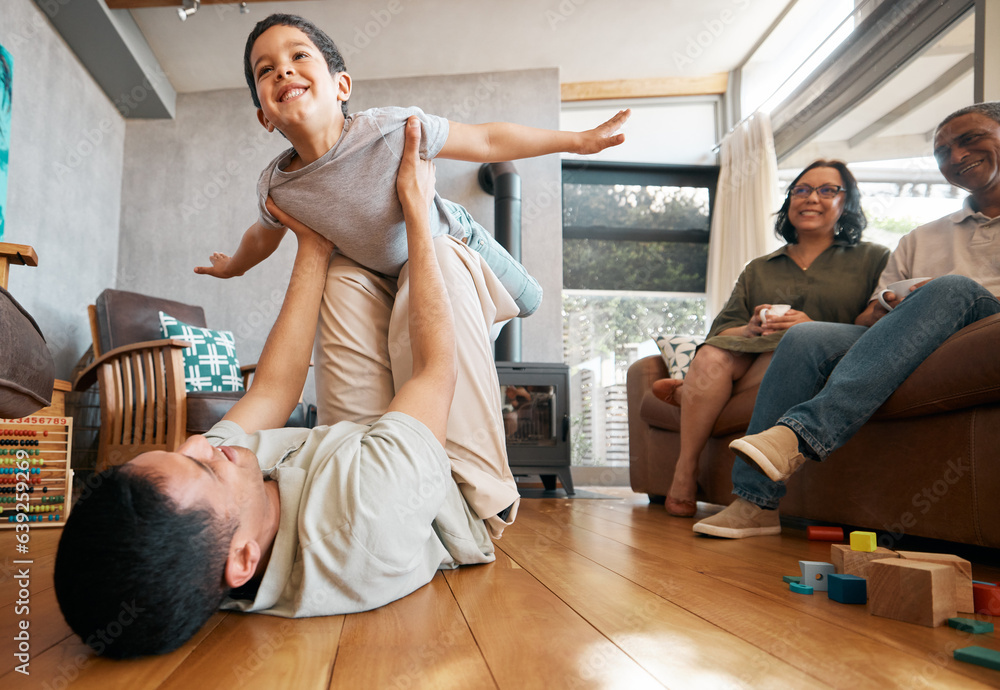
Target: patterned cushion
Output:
{"points": [[210, 363], [677, 352]]}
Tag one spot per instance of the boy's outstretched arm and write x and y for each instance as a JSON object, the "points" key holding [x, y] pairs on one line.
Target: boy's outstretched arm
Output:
{"points": [[428, 394], [257, 244], [504, 141], [284, 363]]}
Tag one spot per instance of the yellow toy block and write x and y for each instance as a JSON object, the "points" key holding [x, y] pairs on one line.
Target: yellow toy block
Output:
{"points": [[863, 541]]}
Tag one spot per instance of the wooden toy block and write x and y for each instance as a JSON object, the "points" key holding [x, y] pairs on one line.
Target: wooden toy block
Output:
{"points": [[970, 625], [815, 574], [980, 656], [791, 578], [849, 562], [848, 589], [823, 533], [963, 575], [800, 589], [863, 541], [911, 591], [986, 599]]}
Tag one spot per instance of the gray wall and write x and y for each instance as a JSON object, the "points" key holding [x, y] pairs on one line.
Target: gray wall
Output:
{"points": [[188, 190], [64, 190]]}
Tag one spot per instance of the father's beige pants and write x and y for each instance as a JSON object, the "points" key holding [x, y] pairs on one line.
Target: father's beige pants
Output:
{"points": [[363, 356]]}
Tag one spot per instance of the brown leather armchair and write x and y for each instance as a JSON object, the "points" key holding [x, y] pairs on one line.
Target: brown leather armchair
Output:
{"points": [[927, 463], [144, 403], [27, 370]]}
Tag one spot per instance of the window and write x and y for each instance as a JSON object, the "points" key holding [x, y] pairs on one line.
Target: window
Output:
{"points": [[805, 37], [635, 254]]}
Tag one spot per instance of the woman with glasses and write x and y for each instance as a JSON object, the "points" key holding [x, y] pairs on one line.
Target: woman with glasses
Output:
{"points": [[823, 272]]}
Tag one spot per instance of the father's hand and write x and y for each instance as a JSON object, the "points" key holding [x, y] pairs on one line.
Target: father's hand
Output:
{"points": [[415, 181], [303, 233]]}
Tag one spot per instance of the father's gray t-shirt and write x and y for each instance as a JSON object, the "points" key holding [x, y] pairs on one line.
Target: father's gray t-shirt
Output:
{"points": [[349, 194]]}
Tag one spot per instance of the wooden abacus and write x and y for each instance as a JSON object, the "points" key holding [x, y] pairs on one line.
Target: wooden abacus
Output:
{"points": [[36, 452]]}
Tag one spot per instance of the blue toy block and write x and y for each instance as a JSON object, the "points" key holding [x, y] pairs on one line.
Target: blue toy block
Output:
{"points": [[848, 589], [970, 625], [791, 578], [980, 656], [800, 589], [816, 574]]}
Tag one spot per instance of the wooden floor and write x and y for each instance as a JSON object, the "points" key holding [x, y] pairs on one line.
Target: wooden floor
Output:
{"points": [[584, 593]]}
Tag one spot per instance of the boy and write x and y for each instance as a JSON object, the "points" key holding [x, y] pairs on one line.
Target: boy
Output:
{"points": [[339, 176]]}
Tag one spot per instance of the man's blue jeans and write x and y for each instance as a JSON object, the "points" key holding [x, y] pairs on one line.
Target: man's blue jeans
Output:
{"points": [[827, 379]]}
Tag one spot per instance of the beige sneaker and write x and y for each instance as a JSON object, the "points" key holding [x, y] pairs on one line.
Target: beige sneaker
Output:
{"points": [[774, 451], [740, 519]]}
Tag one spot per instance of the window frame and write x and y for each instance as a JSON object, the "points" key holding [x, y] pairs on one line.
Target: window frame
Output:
{"points": [[646, 175]]}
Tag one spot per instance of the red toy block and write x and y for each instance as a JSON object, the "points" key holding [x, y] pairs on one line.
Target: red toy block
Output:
{"points": [[822, 533], [986, 599]]}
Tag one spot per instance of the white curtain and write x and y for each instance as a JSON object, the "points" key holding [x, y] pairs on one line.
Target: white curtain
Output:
{"points": [[745, 201]]}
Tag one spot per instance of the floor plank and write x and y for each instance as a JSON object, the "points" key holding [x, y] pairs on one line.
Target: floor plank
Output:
{"points": [[422, 639], [73, 664], [266, 652], [531, 639]]}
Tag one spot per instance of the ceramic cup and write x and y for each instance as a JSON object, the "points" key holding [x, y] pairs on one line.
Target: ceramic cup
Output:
{"points": [[773, 310], [901, 289]]}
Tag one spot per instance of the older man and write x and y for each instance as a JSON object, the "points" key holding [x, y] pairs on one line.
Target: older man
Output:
{"points": [[826, 380]]}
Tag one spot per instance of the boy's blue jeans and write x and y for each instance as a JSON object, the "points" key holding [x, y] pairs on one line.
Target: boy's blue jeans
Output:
{"points": [[827, 379], [525, 290]]}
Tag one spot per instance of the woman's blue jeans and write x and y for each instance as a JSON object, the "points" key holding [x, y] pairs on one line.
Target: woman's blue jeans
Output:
{"points": [[827, 379]]}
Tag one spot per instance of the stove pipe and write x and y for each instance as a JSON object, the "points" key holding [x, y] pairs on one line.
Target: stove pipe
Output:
{"points": [[502, 181]]}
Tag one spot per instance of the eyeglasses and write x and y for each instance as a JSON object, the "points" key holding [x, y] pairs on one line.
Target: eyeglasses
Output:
{"points": [[804, 191]]}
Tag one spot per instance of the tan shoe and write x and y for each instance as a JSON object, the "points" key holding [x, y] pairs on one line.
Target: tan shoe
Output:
{"points": [[740, 519], [774, 451]]}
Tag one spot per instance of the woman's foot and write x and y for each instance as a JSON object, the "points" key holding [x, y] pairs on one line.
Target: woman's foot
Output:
{"points": [[681, 496], [668, 390], [680, 508]]}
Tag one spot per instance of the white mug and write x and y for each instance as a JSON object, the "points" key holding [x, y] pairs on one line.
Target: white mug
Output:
{"points": [[900, 288], [773, 310]]}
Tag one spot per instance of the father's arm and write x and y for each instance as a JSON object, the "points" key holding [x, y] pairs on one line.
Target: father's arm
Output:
{"points": [[428, 394], [284, 363]]}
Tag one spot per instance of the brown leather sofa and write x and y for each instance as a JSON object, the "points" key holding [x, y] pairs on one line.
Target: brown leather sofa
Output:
{"points": [[927, 463]]}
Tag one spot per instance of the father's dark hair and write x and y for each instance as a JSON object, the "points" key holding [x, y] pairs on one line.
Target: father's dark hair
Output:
{"points": [[989, 109], [134, 574], [319, 38], [852, 221]]}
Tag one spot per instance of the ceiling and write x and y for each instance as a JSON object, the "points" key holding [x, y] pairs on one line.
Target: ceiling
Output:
{"points": [[666, 42], [898, 119], [588, 40]]}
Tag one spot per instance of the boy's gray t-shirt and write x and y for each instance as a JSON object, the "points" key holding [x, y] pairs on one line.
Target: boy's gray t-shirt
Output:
{"points": [[349, 194]]}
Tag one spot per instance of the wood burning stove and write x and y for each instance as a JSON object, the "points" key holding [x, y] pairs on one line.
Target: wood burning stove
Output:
{"points": [[535, 401]]}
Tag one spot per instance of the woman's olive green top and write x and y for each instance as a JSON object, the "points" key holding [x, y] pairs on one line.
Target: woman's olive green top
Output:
{"points": [[836, 287]]}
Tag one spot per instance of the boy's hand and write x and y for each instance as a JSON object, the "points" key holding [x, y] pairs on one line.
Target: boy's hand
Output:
{"points": [[220, 267], [604, 135], [415, 180]]}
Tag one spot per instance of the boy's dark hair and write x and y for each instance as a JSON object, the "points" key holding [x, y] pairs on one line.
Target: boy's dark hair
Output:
{"points": [[319, 38], [852, 221], [134, 574]]}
